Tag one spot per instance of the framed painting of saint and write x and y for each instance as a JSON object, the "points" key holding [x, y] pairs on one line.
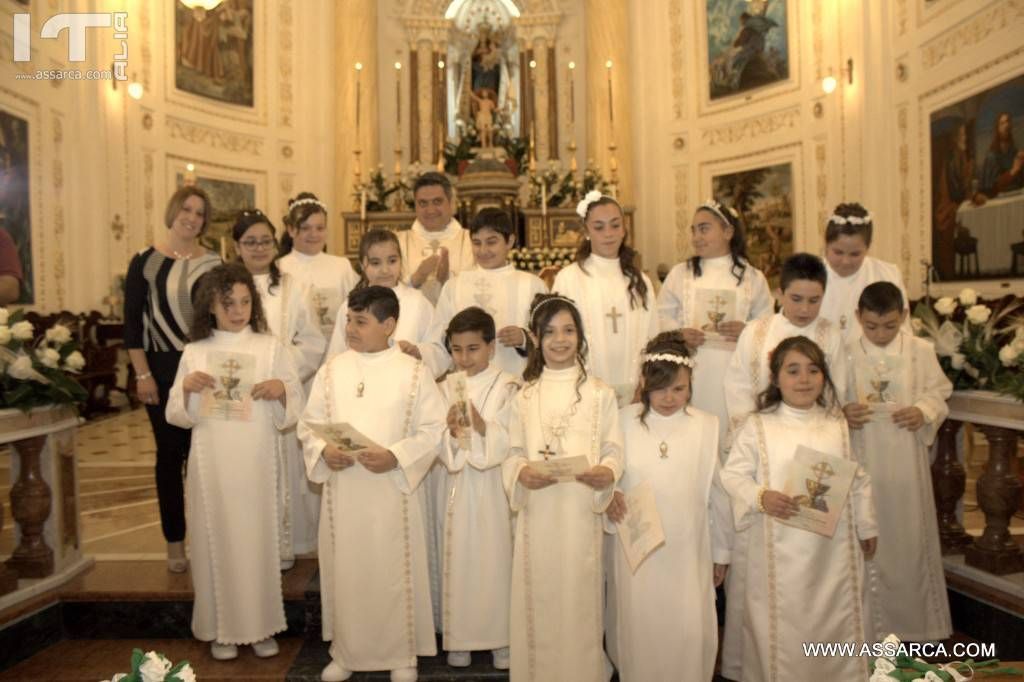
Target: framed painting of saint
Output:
{"points": [[213, 54], [15, 216]]}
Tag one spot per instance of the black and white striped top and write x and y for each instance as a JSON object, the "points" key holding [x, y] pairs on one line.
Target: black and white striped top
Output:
{"points": [[158, 299]]}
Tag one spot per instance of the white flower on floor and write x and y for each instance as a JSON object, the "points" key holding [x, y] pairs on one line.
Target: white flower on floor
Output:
{"points": [[978, 314], [49, 357], [4, 315], [968, 297], [23, 330], [5, 334], [58, 334], [945, 306], [74, 362], [154, 668]]}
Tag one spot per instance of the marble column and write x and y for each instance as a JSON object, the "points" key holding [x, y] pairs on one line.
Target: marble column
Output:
{"points": [[607, 38], [540, 109]]}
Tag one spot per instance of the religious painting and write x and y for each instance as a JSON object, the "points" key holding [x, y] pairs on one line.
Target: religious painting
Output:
{"points": [[214, 51], [15, 216], [977, 180], [764, 198], [748, 45], [228, 199]]}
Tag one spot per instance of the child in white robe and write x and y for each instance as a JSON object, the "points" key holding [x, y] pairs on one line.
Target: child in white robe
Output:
{"points": [[289, 319], [895, 404], [802, 587], [563, 412], [330, 278], [494, 285], [477, 535], [615, 298], [374, 579], [236, 387], [850, 268], [662, 623], [711, 298]]}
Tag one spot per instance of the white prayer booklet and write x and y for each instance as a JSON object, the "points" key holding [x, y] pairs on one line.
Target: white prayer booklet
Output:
{"points": [[562, 468], [819, 483], [231, 398], [343, 436], [640, 532], [458, 389], [712, 308], [326, 302]]}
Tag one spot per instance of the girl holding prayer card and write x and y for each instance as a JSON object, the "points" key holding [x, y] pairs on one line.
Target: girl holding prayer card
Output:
{"points": [[615, 298], [563, 419], [801, 585], [236, 388], [710, 298], [661, 619]]}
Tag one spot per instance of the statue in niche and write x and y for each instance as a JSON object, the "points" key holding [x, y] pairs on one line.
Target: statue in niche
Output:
{"points": [[486, 67], [485, 105]]}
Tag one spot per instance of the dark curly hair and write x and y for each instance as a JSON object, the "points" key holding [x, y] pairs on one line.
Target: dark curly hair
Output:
{"points": [[247, 219], [737, 245], [659, 374], [542, 309], [627, 258], [216, 285], [769, 399], [297, 215]]}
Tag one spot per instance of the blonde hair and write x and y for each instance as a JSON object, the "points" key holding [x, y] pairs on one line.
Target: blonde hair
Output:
{"points": [[177, 200]]}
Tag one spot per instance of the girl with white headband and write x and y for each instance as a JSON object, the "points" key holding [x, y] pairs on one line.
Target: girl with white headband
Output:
{"points": [[304, 256], [710, 298], [662, 623], [615, 298], [850, 268]]}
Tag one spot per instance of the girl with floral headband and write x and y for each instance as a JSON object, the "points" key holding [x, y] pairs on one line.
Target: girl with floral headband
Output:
{"points": [[664, 619], [615, 298], [304, 256], [563, 415], [710, 298], [850, 268]]}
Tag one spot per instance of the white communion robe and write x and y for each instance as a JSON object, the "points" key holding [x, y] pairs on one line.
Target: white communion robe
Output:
{"points": [[616, 332], [906, 581], [415, 317], [477, 537], [801, 586], [330, 279], [662, 623], [842, 293], [505, 293], [557, 599], [418, 244], [231, 494], [289, 319], [374, 582], [678, 308]]}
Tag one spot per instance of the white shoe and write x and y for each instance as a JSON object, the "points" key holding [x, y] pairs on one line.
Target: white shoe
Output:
{"points": [[287, 564], [404, 675], [501, 658], [335, 673], [459, 659], [223, 652], [265, 648]]}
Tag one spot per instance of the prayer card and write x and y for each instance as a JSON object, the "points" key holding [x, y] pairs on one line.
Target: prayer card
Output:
{"points": [[640, 532], [231, 399], [819, 483]]}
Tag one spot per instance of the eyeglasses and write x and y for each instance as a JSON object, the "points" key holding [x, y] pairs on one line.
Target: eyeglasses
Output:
{"points": [[258, 243]]}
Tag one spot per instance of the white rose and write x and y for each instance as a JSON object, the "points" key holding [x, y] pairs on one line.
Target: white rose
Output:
{"points": [[978, 314], [49, 357], [4, 315], [5, 334], [916, 325], [75, 361], [968, 297], [945, 305], [957, 360], [21, 368], [186, 674], [154, 668], [1008, 354], [58, 334], [22, 330]]}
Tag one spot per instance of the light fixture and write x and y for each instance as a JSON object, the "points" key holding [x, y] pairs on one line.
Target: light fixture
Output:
{"points": [[533, 63], [440, 63], [136, 90], [572, 65], [398, 66], [359, 66], [190, 167], [200, 7], [608, 64], [829, 82]]}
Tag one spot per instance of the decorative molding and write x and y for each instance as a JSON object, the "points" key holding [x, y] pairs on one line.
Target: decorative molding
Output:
{"points": [[821, 181], [286, 184], [901, 17], [216, 138], [752, 128], [972, 32], [147, 193], [676, 40], [285, 72], [680, 196], [59, 266], [817, 40], [971, 74], [903, 191], [147, 53]]}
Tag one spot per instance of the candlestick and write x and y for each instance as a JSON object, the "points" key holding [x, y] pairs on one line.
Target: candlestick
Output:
{"points": [[224, 249], [611, 110], [398, 93], [543, 197], [572, 93], [359, 94], [533, 98], [362, 205]]}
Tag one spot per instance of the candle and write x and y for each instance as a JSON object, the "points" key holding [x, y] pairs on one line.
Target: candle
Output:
{"points": [[398, 94], [224, 249], [533, 97], [359, 94], [611, 111], [572, 93], [543, 198], [362, 205]]}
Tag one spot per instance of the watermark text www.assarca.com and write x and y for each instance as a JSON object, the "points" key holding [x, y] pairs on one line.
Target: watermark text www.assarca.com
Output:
{"points": [[923, 650], [76, 24]]}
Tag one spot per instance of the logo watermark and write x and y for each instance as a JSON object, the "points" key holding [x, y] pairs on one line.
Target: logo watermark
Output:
{"points": [[76, 23]]}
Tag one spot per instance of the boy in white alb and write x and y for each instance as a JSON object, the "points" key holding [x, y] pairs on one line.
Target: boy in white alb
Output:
{"points": [[373, 558]]}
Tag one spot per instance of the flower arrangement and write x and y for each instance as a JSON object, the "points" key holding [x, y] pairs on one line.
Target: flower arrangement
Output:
{"points": [[565, 189], [979, 346], [383, 194], [34, 374], [154, 667], [536, 259]]}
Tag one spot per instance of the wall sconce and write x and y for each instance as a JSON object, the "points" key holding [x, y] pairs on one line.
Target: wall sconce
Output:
{"points": [[829, 82]]}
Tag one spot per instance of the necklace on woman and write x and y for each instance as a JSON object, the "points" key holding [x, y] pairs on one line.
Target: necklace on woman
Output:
{"points": [[184, 256]]}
